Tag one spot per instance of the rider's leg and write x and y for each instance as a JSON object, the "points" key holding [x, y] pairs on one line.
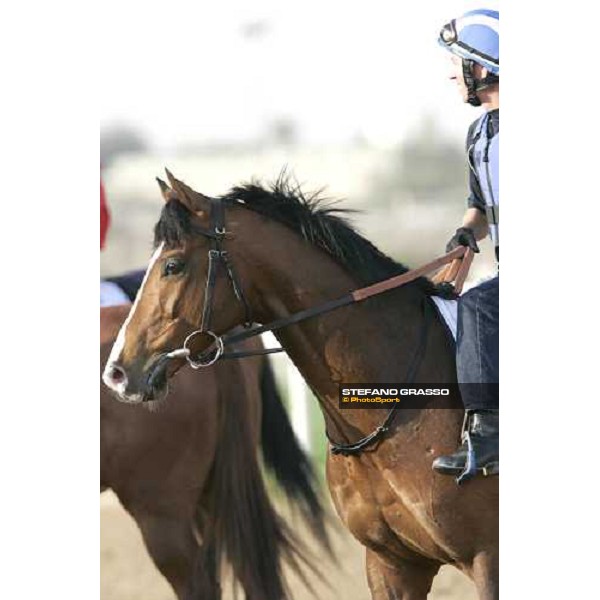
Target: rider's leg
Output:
{"points": [[477, 346], [477, 368]]}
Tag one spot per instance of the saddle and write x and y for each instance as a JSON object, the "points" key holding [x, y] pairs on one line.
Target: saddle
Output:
{"points": [[454, 272]]}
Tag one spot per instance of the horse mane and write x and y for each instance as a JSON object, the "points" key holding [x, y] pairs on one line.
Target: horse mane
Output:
{"points": [[315, 218]]}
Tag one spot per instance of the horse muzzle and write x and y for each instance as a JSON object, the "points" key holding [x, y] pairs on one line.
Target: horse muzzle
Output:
{"points": [[150, 384]]}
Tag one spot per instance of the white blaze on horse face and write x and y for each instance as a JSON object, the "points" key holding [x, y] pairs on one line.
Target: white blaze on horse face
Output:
{"points": [[115, 353]]}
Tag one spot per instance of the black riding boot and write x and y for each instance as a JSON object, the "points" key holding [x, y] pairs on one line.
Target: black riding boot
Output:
{"points": [[478, 452]]}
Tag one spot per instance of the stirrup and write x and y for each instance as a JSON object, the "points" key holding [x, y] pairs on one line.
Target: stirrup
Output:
{"points": [[470, 469]]}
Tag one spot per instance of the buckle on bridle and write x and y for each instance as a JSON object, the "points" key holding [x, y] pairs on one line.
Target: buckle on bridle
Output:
{"points": [[198, 364]]}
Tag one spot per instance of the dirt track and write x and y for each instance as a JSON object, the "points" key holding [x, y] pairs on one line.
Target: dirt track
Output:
{"points": [[128, 573]]}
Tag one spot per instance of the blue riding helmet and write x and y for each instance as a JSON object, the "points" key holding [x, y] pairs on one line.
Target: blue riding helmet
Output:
{"points": [[475, 38]]}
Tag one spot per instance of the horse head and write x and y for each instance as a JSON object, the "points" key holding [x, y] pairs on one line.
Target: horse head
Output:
{"points": [[175, 299]]}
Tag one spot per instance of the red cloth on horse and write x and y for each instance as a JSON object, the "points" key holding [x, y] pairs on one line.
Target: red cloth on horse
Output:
{"points": [[104, 216]]}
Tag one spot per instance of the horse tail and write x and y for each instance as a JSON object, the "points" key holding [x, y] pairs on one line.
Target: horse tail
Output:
{"points": [[243, 527], [286, 460]]}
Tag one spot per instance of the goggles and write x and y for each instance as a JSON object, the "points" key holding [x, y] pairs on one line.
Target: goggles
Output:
{"points": [[449, 37], [448, 34]]}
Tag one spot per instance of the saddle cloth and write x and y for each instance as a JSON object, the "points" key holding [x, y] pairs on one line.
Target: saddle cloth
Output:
{"points": [[448, 310]]}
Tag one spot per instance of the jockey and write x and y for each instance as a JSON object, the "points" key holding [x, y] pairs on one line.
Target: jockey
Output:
{"points": [[110, 292], [473, 40]]}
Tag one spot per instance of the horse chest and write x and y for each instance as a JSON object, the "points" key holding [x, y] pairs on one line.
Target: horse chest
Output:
{"points": [[382, 519], [372, 511]]}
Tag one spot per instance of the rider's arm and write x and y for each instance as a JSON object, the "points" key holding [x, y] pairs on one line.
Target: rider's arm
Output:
{"points": [[476, 220], [474, 226], [474, 217]]}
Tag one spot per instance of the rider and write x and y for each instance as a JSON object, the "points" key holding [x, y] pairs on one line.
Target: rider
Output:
{"points": [[473, 40]]}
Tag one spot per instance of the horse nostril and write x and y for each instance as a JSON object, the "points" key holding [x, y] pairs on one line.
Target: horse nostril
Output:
{"points": [[116, 375]]}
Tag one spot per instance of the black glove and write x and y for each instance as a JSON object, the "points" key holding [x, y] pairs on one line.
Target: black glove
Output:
{"points": [[464, 236]]}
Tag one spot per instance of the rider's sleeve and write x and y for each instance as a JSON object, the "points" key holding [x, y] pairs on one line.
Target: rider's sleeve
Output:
{"points": [[475, 199]]}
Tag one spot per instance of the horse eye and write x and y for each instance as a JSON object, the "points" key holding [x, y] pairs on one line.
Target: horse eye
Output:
{"points": [[173, 266]]}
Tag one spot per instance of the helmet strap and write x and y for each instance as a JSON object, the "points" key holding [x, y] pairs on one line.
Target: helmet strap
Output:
{"points": [[475, 85], [470, 82], [487, 81]]}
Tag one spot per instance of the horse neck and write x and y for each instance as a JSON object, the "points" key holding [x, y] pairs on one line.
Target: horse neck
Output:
{"points": [[372, 341]]}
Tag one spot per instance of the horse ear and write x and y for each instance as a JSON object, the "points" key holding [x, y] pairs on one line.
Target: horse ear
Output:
{"points": [[194, 201], [165, 190]]}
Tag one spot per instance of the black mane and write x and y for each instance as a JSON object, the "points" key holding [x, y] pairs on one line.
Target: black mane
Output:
{"points": [[312, 217]]}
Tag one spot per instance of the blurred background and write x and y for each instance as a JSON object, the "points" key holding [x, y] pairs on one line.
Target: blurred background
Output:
{"points": [[351, 98]]}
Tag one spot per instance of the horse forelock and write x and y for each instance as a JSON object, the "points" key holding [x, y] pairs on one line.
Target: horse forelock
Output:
{"points": [[175, 225]]}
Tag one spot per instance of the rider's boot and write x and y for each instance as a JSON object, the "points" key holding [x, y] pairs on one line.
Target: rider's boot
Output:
{"points": [[478, 452]]}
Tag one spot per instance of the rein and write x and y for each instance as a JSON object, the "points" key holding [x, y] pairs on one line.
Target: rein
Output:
{"points": [[463, 254], [457, 264]]}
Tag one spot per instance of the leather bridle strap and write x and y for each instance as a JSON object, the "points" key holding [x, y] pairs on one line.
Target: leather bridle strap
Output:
{"points": [[213, 266], [302, 315], [398, 280], [237, 288], [216, 256]]}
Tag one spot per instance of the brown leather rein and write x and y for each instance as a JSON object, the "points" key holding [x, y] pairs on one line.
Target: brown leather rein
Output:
{"points": [[458, 263]]}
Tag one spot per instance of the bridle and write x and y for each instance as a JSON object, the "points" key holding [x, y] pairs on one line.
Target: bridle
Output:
{"points": [[218, 256]]}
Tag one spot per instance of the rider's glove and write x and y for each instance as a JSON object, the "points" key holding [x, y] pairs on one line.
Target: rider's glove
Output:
{"points": [[464, 236]]}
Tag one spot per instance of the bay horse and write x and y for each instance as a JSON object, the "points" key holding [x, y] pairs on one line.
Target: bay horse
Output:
{"points": [[188, 474], [290, 252]]}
